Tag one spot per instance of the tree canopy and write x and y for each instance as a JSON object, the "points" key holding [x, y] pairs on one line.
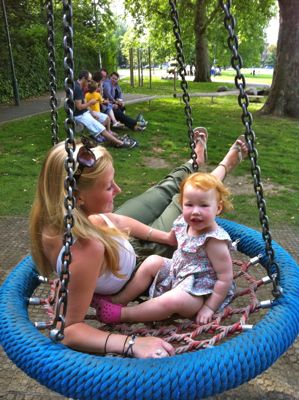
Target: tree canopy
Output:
{"points": [[202, 30], [28, 33]]}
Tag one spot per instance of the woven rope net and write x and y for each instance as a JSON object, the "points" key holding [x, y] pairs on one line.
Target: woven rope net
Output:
{"points": [[184, 334]]}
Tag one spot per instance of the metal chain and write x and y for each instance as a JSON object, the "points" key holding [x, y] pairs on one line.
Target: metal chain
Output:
{"points": [[52, 71], [69, 183], [184, 85], [237, 63]]}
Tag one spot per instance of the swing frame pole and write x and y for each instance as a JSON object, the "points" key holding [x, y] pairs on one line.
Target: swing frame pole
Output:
{"points": [[11, 59]]}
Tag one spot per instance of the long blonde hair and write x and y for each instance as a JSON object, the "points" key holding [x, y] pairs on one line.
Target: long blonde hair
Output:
{"points": [[48, 208], [205, 182]]}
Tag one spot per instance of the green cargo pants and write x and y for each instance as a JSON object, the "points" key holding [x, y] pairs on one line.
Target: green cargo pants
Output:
{"points": [[158, 207]]}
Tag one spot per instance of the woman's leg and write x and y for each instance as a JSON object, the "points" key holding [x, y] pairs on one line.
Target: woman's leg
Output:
{"points": [[149, 206]]}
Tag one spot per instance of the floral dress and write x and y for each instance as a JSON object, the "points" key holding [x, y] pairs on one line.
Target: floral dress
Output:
{"points": [[190, 269]]}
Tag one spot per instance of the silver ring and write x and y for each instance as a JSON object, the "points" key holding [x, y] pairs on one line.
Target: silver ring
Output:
{"points": [[159, 352]]}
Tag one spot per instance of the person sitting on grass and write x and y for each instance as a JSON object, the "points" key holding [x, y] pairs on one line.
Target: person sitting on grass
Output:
{"points": [[96, 124], [93, 92], [113, 93]]}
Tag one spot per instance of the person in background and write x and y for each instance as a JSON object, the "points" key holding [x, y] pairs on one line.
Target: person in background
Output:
{"points": [[95, 125], [93, 92], [113, 93]]}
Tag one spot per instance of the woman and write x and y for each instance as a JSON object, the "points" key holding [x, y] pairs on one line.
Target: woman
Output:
{"points": [[102, 257]]}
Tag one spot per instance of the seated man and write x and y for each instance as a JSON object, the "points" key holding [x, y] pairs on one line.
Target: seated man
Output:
{"points": [[96, 123], [112, 92]]}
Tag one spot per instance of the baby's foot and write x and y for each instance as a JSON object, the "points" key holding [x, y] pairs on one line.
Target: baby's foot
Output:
{"points": [[109, 313], [95, 301]]}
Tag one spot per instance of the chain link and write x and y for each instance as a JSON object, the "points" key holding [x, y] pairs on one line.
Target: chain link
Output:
{"points": [[183, 83], [69, 183], [240, 83], [52, 72]]}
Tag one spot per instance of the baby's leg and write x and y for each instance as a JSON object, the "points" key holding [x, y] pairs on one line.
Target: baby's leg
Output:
{"points": [[140, 281], [173, 302]]}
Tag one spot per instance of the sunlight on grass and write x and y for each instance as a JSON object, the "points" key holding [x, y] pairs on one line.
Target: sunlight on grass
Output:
{"points": [[24, 144]]}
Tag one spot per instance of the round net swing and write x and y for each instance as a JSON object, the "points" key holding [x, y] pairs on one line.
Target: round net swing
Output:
{"points": [[190, 375]]}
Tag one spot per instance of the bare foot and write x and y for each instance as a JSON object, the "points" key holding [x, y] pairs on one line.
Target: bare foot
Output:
{"points": [[200, 139], [235, 155]]}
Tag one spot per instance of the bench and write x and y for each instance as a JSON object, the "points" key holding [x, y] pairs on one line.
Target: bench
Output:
{"points": [[255, 98]]}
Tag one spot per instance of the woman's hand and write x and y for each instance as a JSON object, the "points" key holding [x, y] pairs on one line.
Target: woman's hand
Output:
{"points": [[172, 239], [151, 347]]}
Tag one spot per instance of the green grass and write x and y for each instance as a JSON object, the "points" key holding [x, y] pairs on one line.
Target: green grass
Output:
{"points": [[263, 79], [24, 144], [161, 87], [165, 87]]}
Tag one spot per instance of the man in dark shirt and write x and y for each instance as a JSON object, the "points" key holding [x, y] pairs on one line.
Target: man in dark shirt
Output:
{"points": [[112, 92]]}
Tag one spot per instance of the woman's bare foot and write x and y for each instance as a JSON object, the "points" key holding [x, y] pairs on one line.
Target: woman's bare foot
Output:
{"points": [[200, 138], [234, 156]]}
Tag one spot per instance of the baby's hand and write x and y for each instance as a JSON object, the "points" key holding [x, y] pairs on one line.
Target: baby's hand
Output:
{"points": [[204, 315]]}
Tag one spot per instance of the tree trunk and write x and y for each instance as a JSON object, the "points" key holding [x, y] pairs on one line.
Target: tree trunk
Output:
{"points": [[202, 65], [283, 99]]}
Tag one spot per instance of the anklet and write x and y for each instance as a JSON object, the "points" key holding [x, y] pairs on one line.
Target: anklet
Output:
{"points": [[225, 167]]}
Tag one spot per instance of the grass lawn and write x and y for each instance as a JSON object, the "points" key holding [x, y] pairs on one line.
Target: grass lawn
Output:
{"points": [[164, 145]]}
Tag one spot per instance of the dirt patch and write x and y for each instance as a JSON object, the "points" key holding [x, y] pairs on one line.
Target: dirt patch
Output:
{"points": [[244, 185], [156, 161]]}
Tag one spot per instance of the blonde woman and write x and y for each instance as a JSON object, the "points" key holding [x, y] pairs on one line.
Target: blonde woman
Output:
{"points": [[103, 259]]}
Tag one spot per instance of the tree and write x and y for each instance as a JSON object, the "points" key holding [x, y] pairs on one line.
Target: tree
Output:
{"points": [[269, 57], [203, 34], [284, 93], [28, 32]]}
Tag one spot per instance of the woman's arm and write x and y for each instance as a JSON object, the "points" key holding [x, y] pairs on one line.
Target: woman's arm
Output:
{"points": [[87, 264], [219, 256], [142, 231]]}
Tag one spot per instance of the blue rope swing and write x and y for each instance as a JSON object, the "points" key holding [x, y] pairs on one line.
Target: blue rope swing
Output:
{"points": [[194, 375]]}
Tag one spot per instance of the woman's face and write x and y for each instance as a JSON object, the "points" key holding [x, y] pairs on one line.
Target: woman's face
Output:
{"points": [[100, 197]]}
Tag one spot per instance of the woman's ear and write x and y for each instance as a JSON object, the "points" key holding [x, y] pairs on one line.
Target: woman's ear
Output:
{"points": [[79, 199]]}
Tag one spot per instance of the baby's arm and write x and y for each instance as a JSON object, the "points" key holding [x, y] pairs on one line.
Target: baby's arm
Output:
{"points": [[219, 256]]}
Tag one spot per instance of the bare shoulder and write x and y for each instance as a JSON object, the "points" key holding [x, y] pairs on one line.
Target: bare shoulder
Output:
{"points": [[216, 247], [117, 220]]}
